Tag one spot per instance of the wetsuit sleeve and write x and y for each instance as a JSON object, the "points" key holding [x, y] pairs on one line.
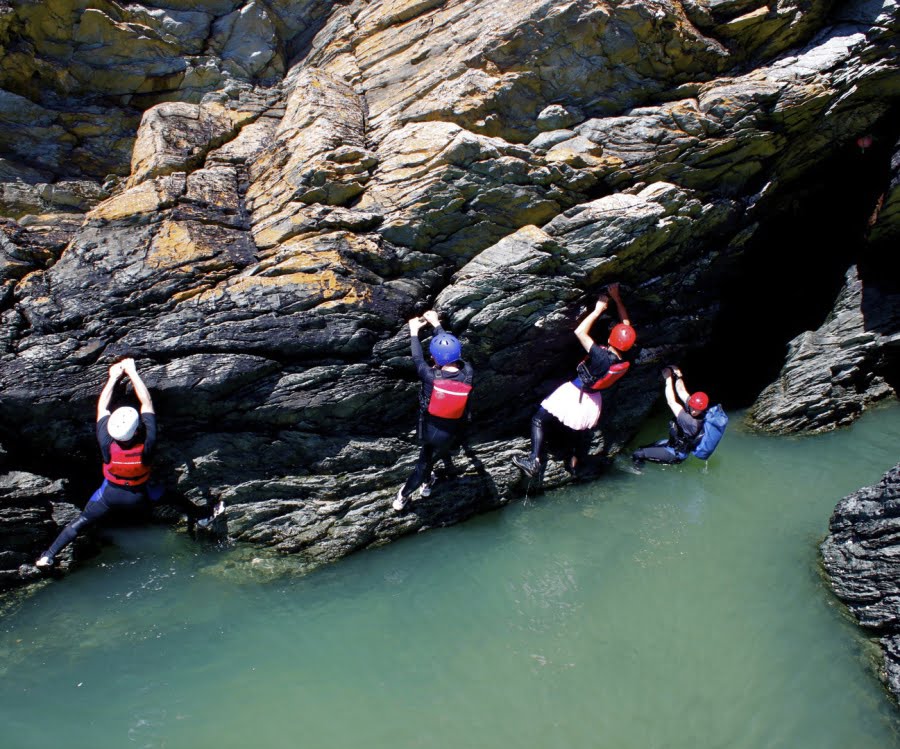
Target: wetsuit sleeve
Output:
{"points": [[149, 422], [426, 374], [103, 438], [469, 375]]}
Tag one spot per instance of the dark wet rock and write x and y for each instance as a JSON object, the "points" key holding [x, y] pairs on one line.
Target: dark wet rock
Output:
{"points": [[860, 556], [885, 229], [33, 509], [253, 198], [833, 373]]}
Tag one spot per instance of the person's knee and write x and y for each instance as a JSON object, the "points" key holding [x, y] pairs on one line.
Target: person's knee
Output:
{"points": [[79, 523]]}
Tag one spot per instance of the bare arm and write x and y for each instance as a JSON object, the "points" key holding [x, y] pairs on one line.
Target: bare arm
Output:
{"points": [[680, 387], [620, 307], [140, 389], [115, 372], [672, 398], [583, 330]]}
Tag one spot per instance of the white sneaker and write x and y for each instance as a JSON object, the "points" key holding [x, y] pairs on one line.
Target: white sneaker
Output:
{"points": [[44, 562], [400, 502], [425, 489]]}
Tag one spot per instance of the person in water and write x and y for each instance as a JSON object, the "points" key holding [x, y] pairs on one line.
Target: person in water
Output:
{"points": [[686, 428], [127, 441], [576, 405], [443, 404]]}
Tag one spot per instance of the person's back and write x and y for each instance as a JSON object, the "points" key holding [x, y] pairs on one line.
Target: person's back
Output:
{"points": [[444, 400]]}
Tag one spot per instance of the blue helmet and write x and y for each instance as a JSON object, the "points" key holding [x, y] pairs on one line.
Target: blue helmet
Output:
{"points": [[445, 348]]}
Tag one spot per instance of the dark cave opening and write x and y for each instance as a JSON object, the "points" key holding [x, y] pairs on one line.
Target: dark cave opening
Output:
{"points": [[793, 269]]}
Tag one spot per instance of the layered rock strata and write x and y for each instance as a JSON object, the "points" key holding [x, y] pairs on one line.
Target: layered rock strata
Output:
{"points": [[833, 373], [32, 509], [860, 556], [312, 175]]}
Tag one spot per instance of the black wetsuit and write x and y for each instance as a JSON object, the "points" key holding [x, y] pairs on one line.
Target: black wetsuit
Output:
{"points": [[438, 436], [111, 495], [684, 433]]}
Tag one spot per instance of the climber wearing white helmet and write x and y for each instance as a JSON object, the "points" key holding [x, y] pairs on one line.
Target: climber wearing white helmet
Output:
{"points": [[127, 440]]}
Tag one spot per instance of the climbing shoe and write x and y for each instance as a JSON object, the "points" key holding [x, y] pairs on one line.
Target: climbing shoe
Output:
{"points": [[44, 562], [400, 502], [529, 466], [425, 491]]}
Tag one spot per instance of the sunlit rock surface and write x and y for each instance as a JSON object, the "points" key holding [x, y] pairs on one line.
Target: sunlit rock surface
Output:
{"points": [[252, 198], [833, 373]]}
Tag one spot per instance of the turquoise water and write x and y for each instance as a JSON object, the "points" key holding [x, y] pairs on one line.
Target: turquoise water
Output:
{"points": [[678, 609]]}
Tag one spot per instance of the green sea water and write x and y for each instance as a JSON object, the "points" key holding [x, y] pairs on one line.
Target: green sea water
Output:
{"points": [[681, 609]]}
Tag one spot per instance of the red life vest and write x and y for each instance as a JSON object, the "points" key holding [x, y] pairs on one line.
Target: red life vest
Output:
{"points": [[612, 376], [125, 467], [448, 398]]}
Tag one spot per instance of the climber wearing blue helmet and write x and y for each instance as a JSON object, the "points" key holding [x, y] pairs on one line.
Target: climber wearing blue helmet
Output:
{"points": [[443, 404]]}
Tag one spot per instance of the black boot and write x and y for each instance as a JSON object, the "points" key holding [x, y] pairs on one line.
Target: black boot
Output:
{"points": [[531, 467]]}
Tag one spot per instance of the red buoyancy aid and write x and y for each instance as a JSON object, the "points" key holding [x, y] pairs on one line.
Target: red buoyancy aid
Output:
{"points": [[448, 398], [612, 376], [125, 467]]}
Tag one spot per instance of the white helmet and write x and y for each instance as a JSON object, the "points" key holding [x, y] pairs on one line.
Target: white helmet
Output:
{"points": [[123, 423]]}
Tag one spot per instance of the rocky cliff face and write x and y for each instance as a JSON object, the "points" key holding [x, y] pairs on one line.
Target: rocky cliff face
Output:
{"points": [[832, 374], [860, 556], [252, 198]]}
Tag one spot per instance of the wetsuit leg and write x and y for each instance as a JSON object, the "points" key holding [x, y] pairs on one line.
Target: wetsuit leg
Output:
{"points": [[538, 425], [95, 509], [580, 445], [436, 443], [421, 471], [659, 452]]}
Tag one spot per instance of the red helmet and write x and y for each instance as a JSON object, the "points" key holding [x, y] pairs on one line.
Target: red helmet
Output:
{"points": [[698, 401], [622, 337]]}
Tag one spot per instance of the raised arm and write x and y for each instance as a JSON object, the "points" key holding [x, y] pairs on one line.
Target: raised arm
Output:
{"points": [[431, 317], [680, 387], [620, 307], [671, 397], [115, 372], [140, 389], [583, 331], [422, 368]]}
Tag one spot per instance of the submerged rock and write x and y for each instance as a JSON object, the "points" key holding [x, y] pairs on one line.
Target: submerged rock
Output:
{"points": [[860, 556]]}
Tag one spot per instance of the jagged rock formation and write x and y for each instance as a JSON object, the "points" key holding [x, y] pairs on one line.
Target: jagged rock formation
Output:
{"points": [[305, 177], [832, 374], [860, 557], [32, 508]]}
